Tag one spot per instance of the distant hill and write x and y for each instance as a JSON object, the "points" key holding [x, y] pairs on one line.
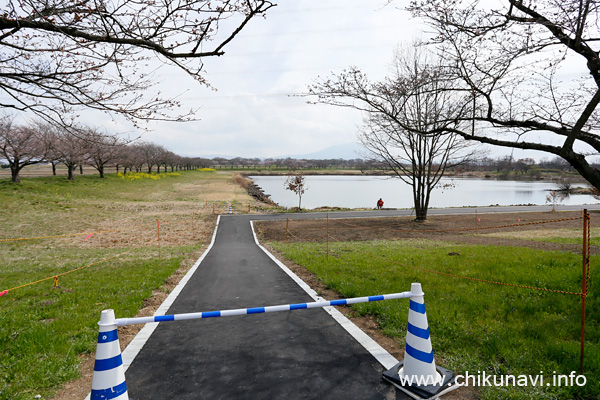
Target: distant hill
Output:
{"points": [[345, 151]]}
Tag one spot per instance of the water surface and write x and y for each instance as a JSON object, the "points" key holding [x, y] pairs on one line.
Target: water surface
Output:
{"points": [[364, 191]]}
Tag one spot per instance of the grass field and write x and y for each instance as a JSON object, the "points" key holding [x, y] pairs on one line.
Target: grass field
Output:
{"points": [[567, 236], [475, 326], [45, 330]]}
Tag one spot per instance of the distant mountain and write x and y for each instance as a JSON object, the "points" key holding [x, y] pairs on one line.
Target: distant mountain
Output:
{"points": [[346, 151]]}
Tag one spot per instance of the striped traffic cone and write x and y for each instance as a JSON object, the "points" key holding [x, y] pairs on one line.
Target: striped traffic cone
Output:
{"points": [[417, 374], [230, 210], [108, 381]]}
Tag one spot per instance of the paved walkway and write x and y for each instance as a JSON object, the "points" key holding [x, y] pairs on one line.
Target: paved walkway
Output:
{"points": [[303, 354], [289, 355]]}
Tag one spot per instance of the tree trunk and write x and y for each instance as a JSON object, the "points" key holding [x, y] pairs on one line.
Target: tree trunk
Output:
{"points": [[70, 170], [577, 161], [101, 171], [53, 163], [421, 199], [81, 170], [14, 173], [421, 214]]}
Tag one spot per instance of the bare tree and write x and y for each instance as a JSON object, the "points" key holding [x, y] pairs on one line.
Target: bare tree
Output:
{"points": [[555, 197], [130, 157], [164, 159], [400, 110], [511, 61], [102, 149], [20, 146], [150, 153], [297, 184], [173, 161], [70, 150], [61, 54], [50, 139]]}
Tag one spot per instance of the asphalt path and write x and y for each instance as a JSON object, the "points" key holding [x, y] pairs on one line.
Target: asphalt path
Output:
{"points": [[302, 354]]}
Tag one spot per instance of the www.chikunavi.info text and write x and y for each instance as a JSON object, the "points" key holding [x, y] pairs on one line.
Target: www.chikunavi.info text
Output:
{"points": [[482, 378]]}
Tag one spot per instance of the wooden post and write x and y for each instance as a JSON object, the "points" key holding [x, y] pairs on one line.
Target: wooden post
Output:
{"points": [[327, 232], [287, 224], [158, 235], [584, 284]]}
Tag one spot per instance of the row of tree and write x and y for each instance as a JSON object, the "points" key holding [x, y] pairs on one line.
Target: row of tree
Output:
{"points": [[505, 165], [41, 142]]}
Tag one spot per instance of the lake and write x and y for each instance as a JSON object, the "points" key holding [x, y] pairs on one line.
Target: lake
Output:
{"points": [[364, 191]]}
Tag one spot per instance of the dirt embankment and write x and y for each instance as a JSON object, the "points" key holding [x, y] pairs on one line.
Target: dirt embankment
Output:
{"points": [[253, 190]]}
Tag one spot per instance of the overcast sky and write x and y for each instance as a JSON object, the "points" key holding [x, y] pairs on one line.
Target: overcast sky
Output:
{"points": [[255, 109], [253, 112]]}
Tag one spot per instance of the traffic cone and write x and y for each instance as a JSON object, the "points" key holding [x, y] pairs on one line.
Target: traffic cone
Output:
{"points": [[108, 381], [230, 211], [417, 375]]}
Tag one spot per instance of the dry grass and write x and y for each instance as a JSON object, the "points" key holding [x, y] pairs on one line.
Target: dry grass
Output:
{"points": [[121, 214], [242, 181]]}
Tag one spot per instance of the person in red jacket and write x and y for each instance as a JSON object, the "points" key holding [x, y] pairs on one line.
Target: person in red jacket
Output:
{"points": [[379, 204]]}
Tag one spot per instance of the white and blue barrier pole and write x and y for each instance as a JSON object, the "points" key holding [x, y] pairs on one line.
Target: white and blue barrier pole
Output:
{"points": [[417, 367], [260, 310]]}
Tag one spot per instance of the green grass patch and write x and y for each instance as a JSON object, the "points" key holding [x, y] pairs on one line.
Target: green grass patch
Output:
{"points": [[562, 236], [475, 326], [45, 330]]}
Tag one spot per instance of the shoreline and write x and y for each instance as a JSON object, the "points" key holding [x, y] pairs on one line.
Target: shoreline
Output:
{"points": [[259, 194]]}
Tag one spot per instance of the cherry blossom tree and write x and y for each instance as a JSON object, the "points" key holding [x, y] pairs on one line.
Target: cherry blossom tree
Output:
{"points": [[61, 55], [70, 150], [20, 146], [297, 184], [102, 149], [529, 70], [398, 111]]}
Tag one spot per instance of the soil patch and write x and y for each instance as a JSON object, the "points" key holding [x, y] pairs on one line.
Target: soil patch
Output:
{"points": [[484, 229]]}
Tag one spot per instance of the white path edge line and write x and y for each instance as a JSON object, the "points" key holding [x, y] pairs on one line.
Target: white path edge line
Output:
{"points": [[381, 355], [136, 344]]}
